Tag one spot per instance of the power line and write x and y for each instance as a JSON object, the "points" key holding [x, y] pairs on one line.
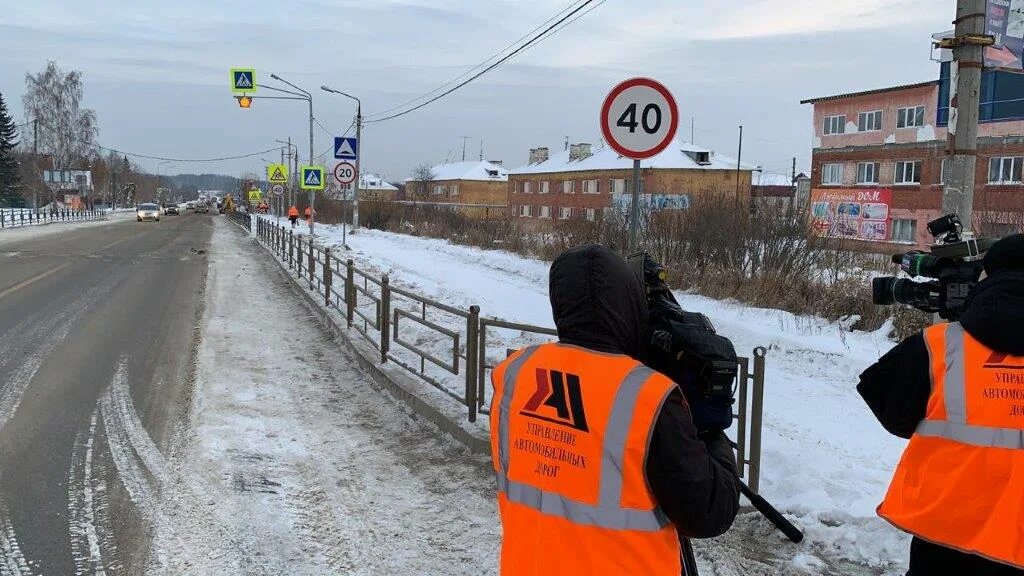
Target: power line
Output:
{"points": [[478, 66], [536, 39]]}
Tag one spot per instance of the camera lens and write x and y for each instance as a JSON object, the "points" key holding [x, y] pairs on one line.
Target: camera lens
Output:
{"points": [[889, 290]]}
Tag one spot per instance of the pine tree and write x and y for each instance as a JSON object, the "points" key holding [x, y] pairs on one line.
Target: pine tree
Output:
{"points": [[10, 175]]}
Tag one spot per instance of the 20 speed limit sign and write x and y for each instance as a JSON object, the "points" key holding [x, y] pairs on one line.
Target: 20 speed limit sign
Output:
{"points": [[639, 118], [345, 173]]}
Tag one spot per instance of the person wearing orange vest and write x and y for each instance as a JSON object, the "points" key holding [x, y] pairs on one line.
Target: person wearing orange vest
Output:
{"points": [[293, 214], [600, 468], [307, 213], [957, 392]]}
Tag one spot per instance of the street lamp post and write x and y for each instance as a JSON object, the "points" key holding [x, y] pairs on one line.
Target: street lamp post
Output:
{"points": [[159, 196], [294, 171], [359, 157], [309, 99]]}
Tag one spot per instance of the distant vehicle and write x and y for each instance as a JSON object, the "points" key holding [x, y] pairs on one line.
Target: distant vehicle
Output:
{"points": [[190, 205], [170, 209], [147, 212], [202, 208]]}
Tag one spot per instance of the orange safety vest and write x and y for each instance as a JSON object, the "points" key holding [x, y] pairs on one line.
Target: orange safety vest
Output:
{"points": [[569, 436], [293, 212], [960, 482]]}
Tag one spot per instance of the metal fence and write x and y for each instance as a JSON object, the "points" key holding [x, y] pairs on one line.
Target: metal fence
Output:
{"points": [[17, 217], [242, 218], [451, 348]]}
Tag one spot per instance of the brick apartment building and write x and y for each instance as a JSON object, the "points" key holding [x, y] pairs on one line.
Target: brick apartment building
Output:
{"points": [[476, 188], [879, 160], [373, 187], [583, 182]]}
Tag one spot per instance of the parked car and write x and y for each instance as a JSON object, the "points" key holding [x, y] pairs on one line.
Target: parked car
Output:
{"points": [[170, 209], [202, 208], [147, 212]]}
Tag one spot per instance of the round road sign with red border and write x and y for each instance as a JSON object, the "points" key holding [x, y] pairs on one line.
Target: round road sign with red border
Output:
{"points": [[345, 172], [639, 118], [277, 189]]}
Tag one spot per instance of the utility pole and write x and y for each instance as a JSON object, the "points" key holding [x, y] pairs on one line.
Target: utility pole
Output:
{"points": [[968, 46], [481, 149], [739, 155], [35, 156], [359, 164], [464, 139], [691, 129]]}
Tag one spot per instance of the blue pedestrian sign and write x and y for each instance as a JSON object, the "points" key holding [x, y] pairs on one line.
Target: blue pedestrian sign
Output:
{"points": [[346, 149], [243, 80], [312, 178]]}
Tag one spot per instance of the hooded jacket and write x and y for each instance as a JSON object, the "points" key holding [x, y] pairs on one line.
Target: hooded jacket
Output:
{"points": [[897, 387], [598, 303]]}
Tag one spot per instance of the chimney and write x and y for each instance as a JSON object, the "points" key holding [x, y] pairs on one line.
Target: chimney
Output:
{"points": [[542, 154], [584, 150], [574, 152], [497, 162]]}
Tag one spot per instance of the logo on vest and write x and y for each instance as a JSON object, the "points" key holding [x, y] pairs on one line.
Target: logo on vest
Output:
{"points": [[558, 400], [1001, 361]]}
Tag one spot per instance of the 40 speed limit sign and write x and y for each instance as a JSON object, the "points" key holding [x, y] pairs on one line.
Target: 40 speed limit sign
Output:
{"points": [[639, 118]]}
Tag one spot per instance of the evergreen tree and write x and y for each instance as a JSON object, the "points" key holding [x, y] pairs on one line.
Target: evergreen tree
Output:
{"points": [[10, 175]]}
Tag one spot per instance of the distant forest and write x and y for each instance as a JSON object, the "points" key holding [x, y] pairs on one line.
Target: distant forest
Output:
{"points": [[190, 184]]}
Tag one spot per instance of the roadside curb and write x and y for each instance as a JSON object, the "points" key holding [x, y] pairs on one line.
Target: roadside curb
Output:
{"points": [[418, 396]]}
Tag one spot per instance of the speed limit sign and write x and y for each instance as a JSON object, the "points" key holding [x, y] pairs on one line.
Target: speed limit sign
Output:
{"points": [[345, 173], [277, 189], [639, 118]]}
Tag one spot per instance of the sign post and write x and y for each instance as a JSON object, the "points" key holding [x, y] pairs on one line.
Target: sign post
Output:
{"points": [[639, 119], [347, 150]]}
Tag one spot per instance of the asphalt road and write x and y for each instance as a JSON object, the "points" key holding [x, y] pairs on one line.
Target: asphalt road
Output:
{"points": [[97, 336]]}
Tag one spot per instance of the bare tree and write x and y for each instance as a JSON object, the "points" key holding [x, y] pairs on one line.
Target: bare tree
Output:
{"points": [[67, 131], [422, 175]]}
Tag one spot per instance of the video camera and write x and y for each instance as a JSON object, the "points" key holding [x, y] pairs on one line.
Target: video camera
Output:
{"points": [[685, 347], [953, 265]]}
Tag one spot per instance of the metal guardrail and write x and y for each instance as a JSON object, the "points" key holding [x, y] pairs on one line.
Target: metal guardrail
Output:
{"points": [[242, 218], [379, 312], [18, 217]]}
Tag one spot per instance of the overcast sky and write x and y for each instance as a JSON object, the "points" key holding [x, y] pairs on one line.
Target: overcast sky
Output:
{"points": [[157, 72]]}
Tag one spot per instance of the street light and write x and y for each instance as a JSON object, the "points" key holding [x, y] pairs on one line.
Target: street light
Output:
{"points": [[294, 170], [308, 98], [359, 156], [159, 165]]}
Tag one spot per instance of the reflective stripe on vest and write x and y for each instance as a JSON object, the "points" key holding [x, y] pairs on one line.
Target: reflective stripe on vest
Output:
{"points": [[607, 513], [954, 397]]}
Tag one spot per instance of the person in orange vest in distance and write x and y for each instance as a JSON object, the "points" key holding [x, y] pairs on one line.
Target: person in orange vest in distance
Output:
{"points": [[293, 215], [600, 468], [956, 391], [306, 214]]}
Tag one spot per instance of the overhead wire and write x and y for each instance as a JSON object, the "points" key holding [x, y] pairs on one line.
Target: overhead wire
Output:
{"points": [[533, 41]]}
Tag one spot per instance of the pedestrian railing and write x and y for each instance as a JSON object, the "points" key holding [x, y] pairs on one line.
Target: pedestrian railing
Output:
{"points": [[17, 217], [455, 349], [242, 218]]}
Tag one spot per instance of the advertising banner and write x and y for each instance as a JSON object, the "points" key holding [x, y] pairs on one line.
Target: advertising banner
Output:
{"points": [[653, 202], [1004, 19], [861, 214]]}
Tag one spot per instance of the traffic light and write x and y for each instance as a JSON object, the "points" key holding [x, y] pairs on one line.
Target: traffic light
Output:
{"points": [[244, 101]]}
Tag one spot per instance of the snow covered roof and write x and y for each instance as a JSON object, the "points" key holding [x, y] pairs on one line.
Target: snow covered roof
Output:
{"points": [[771, 179], [679, 155], [374, 182], [469, 170]]}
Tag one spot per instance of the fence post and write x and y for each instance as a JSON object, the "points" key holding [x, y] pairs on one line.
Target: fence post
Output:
{"points": [[481, 365], [291, 247], [350, 293], [756, 411], [385, 316], [328, 277], [472, 341], [312, 263], [299, 254]]}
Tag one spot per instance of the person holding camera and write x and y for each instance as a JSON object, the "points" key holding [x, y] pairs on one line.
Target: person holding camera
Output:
{"points": [[956, 390], [600, 467]]}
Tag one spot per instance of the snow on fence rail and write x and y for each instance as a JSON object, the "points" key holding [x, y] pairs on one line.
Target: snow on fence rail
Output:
{"points": [[18, 217], [454, 349]]}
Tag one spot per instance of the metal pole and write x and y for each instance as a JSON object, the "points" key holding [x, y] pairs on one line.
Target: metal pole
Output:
{"points": [[739, 155], [312, 193], [35, 155], [359, 163], [634, 211], [968, 60]]}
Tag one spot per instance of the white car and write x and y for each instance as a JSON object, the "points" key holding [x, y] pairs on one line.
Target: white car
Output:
{"points": [[147, 212]]}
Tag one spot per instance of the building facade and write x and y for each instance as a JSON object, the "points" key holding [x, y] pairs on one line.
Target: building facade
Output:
{"points": [[475, 188], [880, 156], [372, 187], [583, 183]]}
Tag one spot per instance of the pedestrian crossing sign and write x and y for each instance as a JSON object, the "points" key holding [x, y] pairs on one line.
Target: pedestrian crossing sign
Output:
{"points": [[243, 80], [312, 178], [255, 195], [277, 173]]}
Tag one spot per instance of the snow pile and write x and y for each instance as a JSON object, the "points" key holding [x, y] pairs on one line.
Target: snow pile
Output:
{"points": [[826, 461]]}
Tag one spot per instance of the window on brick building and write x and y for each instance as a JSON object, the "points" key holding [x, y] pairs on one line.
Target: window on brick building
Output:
{"points": [[617, 186], [453, 190], [545, 187], [545, 212], [568, 187], [834, 125], [565, 213], [832, 173], [867, 173], [908, 172], [910, 117], [869, 121], [591, 214], [591, 187], [439, 190], [1005, 170], [526, 211], [904, 230], [527, 187]]}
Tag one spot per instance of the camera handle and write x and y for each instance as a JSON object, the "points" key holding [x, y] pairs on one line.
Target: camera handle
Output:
{"points": [[768, 511]]}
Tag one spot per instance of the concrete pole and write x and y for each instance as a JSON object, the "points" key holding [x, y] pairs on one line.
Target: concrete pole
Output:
{"points": [[359, 164], [968, 60], [312, 193]]}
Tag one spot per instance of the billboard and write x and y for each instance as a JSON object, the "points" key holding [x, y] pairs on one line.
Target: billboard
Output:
{"points": [[861, 214], [653, 202], [1004, 20]]}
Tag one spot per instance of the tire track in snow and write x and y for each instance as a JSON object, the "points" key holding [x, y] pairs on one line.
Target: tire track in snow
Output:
{"points": [[12, 562], [83, 502]]}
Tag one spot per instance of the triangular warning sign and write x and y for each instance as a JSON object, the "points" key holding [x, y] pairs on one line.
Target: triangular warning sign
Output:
{"points": [[312, 178], [243, 80], [345, 149], [278, 175]]}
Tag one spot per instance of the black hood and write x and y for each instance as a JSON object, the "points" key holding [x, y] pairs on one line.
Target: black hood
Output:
{"points": [[995, 312], [598, 301]]}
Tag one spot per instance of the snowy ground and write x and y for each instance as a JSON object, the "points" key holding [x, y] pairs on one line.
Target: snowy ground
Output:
{"points": [[25, 232], [826, 461]]}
